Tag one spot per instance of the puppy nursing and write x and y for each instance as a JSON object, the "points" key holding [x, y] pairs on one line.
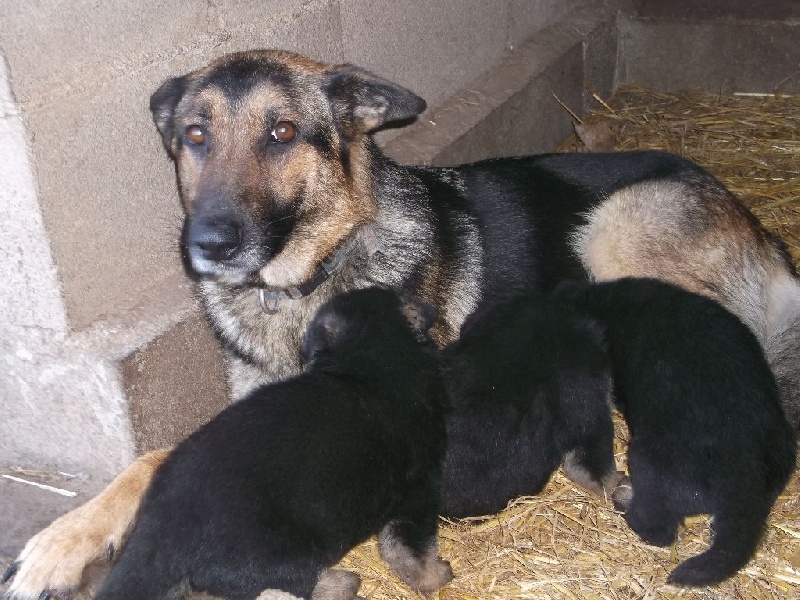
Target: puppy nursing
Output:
{"points": [[276, 489], [530, 386], [708, 434]]}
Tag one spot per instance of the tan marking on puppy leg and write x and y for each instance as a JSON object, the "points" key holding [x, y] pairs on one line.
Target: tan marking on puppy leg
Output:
{"points": [[578, 474], [335, 584], [426, 573], [56, 557]]}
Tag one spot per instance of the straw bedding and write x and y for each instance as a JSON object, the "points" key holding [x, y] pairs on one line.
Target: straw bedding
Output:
{"points": [[565, 543]]}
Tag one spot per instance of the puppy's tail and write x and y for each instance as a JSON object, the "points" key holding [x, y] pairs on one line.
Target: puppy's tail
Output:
{"points": [[735, 541]]}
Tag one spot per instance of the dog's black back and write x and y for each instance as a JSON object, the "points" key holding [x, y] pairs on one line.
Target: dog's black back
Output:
{"points": [[281, 485], [708, 434], [529, 385]]}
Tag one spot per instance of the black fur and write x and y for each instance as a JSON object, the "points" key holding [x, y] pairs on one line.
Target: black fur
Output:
{"points": [[528, 384], [281, 485], [708, 434]]}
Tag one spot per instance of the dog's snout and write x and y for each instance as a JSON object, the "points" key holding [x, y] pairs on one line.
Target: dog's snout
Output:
{"points": [[215, 240]]}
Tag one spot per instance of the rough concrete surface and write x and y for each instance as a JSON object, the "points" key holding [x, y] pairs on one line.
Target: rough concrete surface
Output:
{"points": [[187, 361], [725, 56]]}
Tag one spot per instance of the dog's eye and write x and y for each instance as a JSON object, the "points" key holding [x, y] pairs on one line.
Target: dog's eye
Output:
{"points": [[196, 135], [284, 131]]}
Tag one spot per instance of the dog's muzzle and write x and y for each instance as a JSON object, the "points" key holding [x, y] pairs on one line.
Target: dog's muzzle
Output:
{"points": [[214, 241], [219, 247]]}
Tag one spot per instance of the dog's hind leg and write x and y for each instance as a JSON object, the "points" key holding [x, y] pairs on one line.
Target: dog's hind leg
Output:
{"points": [[783, 344], [646, 510]]}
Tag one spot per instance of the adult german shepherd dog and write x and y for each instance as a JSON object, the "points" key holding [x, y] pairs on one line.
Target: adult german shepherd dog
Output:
{"points": [[289, 201]]}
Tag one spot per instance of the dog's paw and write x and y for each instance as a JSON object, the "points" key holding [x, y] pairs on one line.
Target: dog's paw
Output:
{"points": [[52, 563]]}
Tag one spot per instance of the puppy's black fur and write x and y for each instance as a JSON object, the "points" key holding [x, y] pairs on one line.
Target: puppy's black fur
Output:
{"points": [[530, 386], [281, 485], [708, 434]]}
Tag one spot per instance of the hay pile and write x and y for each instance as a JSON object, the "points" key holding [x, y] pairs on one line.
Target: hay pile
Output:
{"points": [[565, 543]]}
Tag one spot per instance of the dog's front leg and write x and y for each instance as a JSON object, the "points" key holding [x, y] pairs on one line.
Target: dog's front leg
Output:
{"points": [[53, 561]]}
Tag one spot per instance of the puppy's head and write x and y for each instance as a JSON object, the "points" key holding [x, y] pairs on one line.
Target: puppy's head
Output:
{"points": [[373, 320], [270, 151]]}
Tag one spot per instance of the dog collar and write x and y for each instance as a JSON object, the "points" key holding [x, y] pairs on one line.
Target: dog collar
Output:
{"points": [[270, 300]]}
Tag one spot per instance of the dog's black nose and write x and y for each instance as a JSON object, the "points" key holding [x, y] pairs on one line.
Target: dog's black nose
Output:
{"points": [[214, 240]]}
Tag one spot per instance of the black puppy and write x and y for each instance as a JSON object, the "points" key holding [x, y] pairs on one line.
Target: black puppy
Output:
{"points": [[530, 386], [279, 486], [708, 434]]}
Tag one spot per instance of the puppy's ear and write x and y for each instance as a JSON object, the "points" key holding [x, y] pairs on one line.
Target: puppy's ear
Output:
{"points": [[162, 106], [322, 334], [420, 315], [363, 102]]}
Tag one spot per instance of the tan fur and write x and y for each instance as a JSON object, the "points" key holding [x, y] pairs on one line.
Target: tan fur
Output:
{"points": [[426, 573], [335, 584], [56, 557], [651, 228], [578, 474]]}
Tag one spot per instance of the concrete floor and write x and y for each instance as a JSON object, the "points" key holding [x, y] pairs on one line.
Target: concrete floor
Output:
{"points": [[25, 509]]}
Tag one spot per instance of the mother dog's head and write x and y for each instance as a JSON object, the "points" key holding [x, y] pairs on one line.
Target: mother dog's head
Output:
{"points": [[270, 150]]}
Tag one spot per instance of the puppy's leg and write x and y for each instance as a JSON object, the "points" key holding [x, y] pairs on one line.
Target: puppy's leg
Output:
{"points": [[413, 553], [53, 561], [591, 469], [647, 512], [585, 433]]}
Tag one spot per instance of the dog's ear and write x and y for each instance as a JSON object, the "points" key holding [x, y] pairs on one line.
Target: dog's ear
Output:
{"points": [[363, 102], [162, 106], [420, 315]]}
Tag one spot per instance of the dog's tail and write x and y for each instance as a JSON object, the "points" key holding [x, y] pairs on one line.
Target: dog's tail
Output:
{"points": [[735, 541]]}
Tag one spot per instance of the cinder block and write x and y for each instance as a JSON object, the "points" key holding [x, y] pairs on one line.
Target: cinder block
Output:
{"points": [[56, 49], [174, 384], [712, 9], [720, 56], [310, 28], [600, 62], [509, 110], [526, 17], [433, 48], [531, 121], [62, 407], [107, 192]]}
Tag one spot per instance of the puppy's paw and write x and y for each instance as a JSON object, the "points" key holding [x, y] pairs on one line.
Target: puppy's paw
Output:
{"points": [[436, 574], [336, 584], [623, 494]]}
